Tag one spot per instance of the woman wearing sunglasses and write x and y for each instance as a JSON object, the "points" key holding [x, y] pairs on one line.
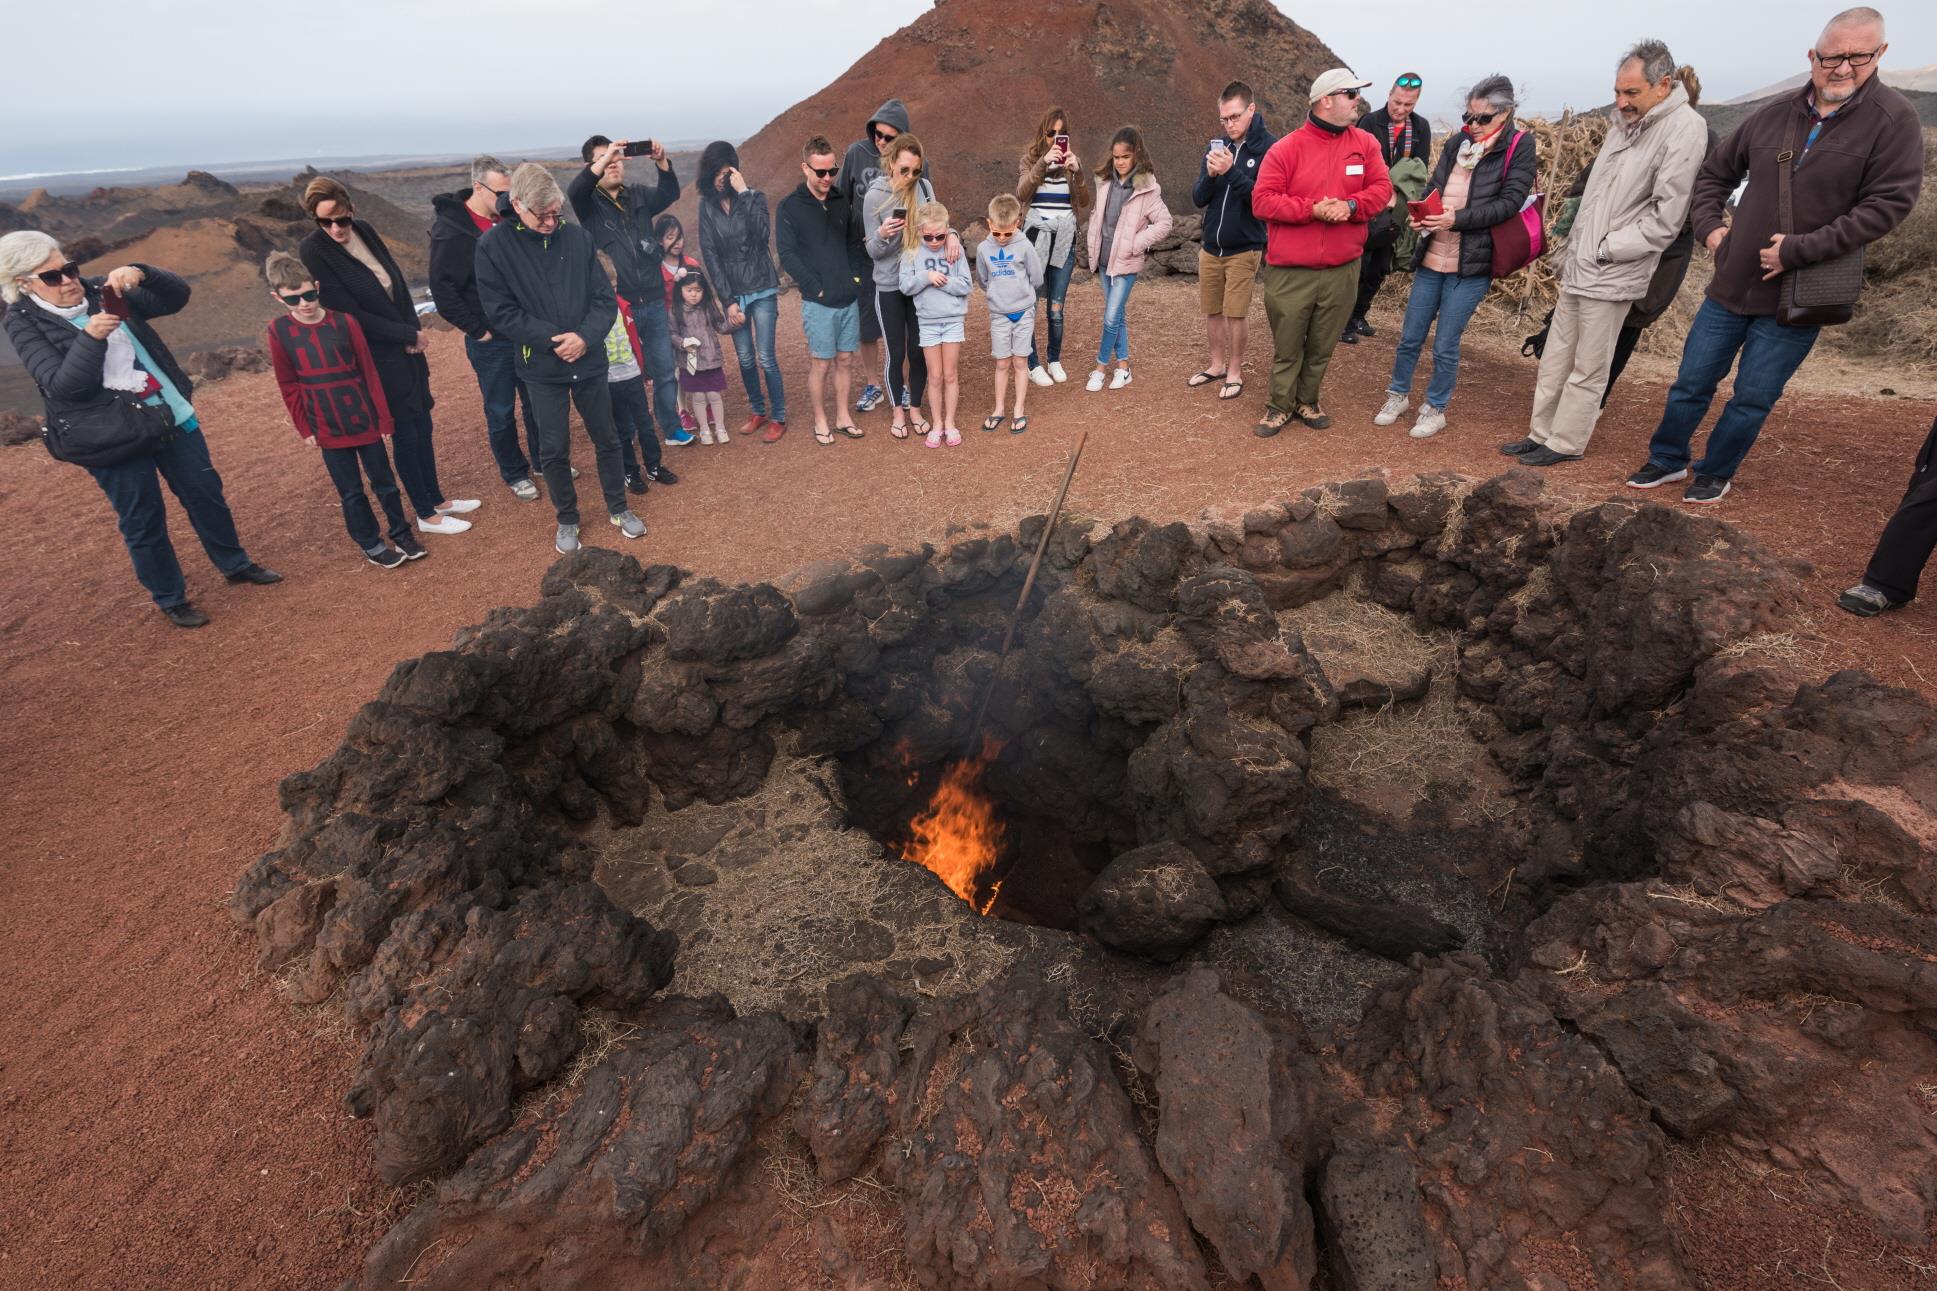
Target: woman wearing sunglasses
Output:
{"points": [[358, 276], [1484, 175], [888, 217], [86, 360]]}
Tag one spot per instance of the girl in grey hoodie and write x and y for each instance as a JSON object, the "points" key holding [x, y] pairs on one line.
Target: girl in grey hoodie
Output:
{"points": [[939, 289]]}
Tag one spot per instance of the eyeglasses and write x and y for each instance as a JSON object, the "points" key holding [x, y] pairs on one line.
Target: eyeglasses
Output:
{"points": [[296, 298], [934, 239], [546, 217], [52, 277], [1232, 118], [1410, 81], [1837, 60], [1478, 120], [335, 221], [825, 173]]}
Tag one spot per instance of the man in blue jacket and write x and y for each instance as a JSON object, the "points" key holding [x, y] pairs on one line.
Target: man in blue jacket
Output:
{"points": [[1227, 267]]}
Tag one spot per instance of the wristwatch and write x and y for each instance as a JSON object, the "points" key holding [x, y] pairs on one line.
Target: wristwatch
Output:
{"points": [[1352, 205]]}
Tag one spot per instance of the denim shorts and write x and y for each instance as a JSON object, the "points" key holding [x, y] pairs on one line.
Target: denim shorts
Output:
{"points": [[941, 332], [831, 329], [1011, 340]]}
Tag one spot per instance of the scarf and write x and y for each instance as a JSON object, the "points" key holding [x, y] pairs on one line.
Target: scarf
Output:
{"points": [[1398, 138], [1473, 149], [119, 372]]}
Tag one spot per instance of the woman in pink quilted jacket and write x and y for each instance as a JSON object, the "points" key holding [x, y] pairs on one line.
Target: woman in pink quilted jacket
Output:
{"points": [[1128, 219]]}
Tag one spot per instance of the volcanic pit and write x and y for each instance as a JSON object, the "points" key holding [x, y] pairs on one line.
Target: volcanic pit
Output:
{"points": [[1371, 887]]}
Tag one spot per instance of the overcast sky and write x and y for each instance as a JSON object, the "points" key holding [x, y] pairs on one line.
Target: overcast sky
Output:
{"points": [[203, 82]]}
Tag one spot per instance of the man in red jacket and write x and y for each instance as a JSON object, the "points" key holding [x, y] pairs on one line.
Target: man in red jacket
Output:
{"points": [[1317, 189]]}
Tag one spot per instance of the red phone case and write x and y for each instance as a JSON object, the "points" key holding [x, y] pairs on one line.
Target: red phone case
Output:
{"points": [[113, 302]]}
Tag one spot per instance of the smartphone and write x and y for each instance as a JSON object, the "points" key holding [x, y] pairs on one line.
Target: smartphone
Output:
{"points": [[1062, 142], [899, 213], [113, 302], [639, 148], [1220, 143]]}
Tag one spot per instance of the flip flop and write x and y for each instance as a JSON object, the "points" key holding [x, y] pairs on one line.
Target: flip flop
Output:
{"points": [[921, 427], [993, 421], [899, 430], [1231, 390], [852, 432], [823, 436], [1018, 424], [1203, 379]]}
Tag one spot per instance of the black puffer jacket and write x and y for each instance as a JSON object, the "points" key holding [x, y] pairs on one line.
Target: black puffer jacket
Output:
{"points": [[453, 263], [622, 228], [734, 229], [1493, 197], [539, 285], [67, 364], [388, 318]]}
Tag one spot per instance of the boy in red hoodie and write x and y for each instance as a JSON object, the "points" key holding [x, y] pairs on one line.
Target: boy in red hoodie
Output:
{"points": [[1317, 189], [329, 383]]}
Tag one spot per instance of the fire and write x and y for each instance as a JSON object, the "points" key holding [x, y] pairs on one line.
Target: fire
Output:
{"points": [[957, 834]]}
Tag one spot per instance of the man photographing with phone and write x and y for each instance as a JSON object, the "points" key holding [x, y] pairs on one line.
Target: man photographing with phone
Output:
{"points": [[619, 217], [1227, 266]]}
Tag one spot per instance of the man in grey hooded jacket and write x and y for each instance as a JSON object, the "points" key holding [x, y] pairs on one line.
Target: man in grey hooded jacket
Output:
{"points": [[858, 169], [1634, 207]]}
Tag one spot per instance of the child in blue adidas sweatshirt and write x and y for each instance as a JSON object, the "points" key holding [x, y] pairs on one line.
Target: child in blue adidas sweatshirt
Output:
{"points": [[1010, 270], [940, 291]]}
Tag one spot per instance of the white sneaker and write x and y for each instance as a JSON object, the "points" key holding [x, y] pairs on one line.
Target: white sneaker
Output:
{"points": [[1057, 374], [1431, 421], [1120, 379], [458, 506], [1095, 382], [1040, 376], [524, 490], [443, 524], [705, 436], [574, 471], [1392, 409], [721, 437]]}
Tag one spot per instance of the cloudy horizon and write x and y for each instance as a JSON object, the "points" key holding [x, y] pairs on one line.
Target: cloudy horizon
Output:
{"points": [[476, 60]]}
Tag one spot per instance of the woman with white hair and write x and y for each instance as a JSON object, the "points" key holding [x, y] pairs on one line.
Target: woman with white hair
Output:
{"points": [[112, 387]]}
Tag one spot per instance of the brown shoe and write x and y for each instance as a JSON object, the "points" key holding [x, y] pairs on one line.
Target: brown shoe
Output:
{"points": [[1274, 421], [753, 423], [773, 432], [1314, 416]]}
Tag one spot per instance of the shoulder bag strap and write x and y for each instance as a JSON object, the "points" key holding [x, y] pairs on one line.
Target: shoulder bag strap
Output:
{"points": [[1507, 162], [1785, 165]]}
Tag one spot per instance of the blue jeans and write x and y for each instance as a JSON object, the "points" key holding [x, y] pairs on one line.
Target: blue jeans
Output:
{"points": [[1771, 353], [496, 363], [762, 316], [655, 330], [347, 467], [1055, 287], [134, 488], [1116, 325], [1451, 299]]}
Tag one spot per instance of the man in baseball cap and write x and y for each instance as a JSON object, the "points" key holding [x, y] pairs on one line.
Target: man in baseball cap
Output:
{"points": [[1317, 189]]}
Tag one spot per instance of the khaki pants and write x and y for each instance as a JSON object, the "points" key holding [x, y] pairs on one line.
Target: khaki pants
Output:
{"points": [[1573, 371], [1307, 309]]}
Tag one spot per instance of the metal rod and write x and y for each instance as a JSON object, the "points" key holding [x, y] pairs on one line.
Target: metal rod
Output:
{"points": [[1028, 584]]}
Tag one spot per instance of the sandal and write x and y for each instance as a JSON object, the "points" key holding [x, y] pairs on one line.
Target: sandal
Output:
{"points": [[922, 428], [899, 430], [1017, 425], [993, 421], [851, 431], [822, 435], [1231, 390], [1203, 379]]}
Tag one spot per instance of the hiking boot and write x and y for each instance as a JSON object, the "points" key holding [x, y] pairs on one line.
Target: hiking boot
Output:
{"points": [[524, 490], [567, 540], [1314, 416], [871, 397], [184, 615], [629, 525], [1274, 421], [385, 558], [1652, 476], [1431, 421], [1519, 447], [1706, 489], [1391, 410], [1866, 601]]}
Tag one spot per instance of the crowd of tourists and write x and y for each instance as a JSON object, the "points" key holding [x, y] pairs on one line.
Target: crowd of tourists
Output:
{"points": [[608, 312]]}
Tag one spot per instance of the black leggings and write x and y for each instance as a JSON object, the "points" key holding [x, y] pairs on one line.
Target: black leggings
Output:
{"points": [[902, 332]]}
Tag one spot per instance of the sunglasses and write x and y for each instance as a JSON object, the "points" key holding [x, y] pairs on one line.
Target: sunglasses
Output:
{"points": [[1002, 235], [1473, 119], [1347, 93], [905, 173], [297, 298], [335, 221], [1410, 81], [52, 277], [882, 136], [827, 173], [934, 239]]}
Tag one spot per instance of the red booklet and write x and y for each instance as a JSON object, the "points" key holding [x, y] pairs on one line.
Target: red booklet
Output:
{"points": [[1431, 206]]}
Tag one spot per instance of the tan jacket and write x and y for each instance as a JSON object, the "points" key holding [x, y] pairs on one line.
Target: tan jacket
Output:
{"points": [[1635, 202]]}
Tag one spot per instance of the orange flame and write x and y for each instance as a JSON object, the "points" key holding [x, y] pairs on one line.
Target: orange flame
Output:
{"points": [[957, 834]]}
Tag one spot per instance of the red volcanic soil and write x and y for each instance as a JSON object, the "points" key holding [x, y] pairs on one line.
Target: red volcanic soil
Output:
{"points": [[167, 1120]]}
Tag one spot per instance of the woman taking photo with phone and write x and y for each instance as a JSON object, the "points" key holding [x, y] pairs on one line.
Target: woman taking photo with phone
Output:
{"points": [[887, 214], [358, 276], [1484, 175], [1055, 193], [102, 370]]}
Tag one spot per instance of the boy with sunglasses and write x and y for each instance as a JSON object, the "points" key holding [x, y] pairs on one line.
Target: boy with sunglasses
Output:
{"points": [[1010, 271], [329, 384]]}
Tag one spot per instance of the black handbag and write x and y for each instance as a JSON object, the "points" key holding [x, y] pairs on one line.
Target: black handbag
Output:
{"points": [[1816, 295], [117, 429]]}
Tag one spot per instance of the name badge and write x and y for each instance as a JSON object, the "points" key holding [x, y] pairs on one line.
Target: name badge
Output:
{"points": [[1355, 170]]}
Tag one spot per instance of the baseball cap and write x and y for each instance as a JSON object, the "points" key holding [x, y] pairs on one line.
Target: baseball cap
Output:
{"points": [[1335, 80]]}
